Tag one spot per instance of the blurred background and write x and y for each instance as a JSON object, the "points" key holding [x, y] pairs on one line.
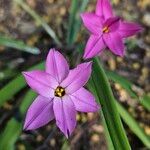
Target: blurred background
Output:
{"points": [[28, 29]]}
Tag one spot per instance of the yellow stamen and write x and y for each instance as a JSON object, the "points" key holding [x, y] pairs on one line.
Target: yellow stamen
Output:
{"points": [[59, 91], [105, 29]]}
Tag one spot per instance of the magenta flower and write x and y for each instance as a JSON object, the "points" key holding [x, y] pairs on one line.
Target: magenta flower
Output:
{"points": [[107, 30], [61, 94]]}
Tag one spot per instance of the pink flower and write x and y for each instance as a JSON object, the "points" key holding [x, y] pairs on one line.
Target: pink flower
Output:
{"points": [[61, 94], [107, 30]]}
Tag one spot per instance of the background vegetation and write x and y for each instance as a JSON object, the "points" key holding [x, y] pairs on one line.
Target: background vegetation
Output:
{"points": [[28, 29]]}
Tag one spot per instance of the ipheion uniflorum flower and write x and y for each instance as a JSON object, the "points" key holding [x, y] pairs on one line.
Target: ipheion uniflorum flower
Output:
{"points": [[61, 94], [106, 30]]}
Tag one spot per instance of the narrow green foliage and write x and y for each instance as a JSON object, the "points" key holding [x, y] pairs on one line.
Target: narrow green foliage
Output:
{"points": [[13, 128], [10, 135], [77, 6], [7, 74], [145, 101], [28, 98], [108, 106], [39, 20], [133, 125], [17, 44], [91, 87], [128, 86], [122, 81], [128, 119], [9, 90]]}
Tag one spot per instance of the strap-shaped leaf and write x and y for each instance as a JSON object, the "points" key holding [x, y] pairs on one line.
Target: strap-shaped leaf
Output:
{"points": [[13, 128], [109, 108], [128, 86], [77, 6], [14, 86], [17, 44], [133, 125], [37, 18]]}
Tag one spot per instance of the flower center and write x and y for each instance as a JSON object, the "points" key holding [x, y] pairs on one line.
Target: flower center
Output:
{"points": [[105, 29], [60, 91]]}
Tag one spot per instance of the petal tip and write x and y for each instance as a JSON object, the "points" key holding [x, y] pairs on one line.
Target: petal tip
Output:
{"points": [[25, 127], [25, 73], [141, 29], [86, 56], [52, 49], [122, 54], [98, 107], [82, 15], [88, 64]]}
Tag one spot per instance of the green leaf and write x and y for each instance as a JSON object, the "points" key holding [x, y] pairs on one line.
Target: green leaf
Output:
{"points": [[73, 10], [145, 101], [39, 20], [65, 145], [14, 86], [7, 74], [107, 135], [17, 44], [27, 100], [128, 119], [10, 134], [108, 106], [133, 125], [13, 128], [91, 87], [77, 6], [122, 81], [127, 85]]}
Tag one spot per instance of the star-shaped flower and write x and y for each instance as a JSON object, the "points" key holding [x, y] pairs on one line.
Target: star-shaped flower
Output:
{"points": [[61, 94], [107, 30]]}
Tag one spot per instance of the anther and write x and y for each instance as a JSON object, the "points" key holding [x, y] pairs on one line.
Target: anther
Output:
{"points": [[59, 91], [105, 29]]}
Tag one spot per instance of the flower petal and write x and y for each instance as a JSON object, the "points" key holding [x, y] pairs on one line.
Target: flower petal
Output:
{"points": [[65, 114], [39, 113], [92, 22], [127, 29], [77, 77], [94, 46], [56, 65], [112, 23], [84, 101], [104, 9], [114, 43], [41, 82]]}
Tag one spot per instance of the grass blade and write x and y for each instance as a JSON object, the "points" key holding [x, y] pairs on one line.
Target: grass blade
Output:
{"points": [[107, 101], [10, 134], [128, 119], [8, 91], [110, 146], [38, 19], [145, 101], [73, 11], [77, 6], [122, 81], [17, 44], [127, 85], [133, 125], [107, 135], [7, 74], [14, 127]]}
